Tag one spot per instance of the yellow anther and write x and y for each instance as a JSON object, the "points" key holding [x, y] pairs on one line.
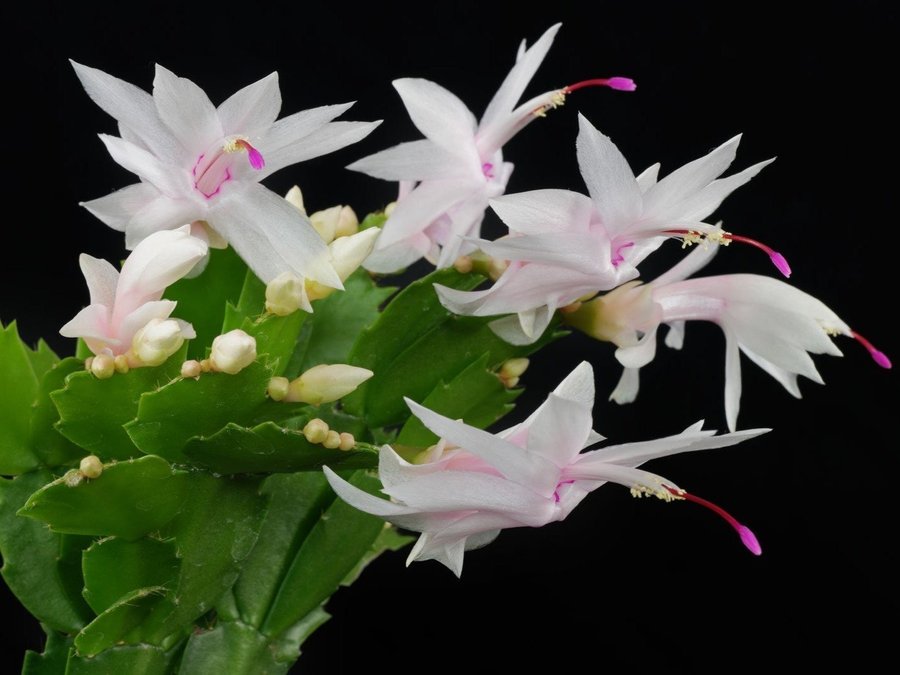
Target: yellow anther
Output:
{"points": [[235, 144]]}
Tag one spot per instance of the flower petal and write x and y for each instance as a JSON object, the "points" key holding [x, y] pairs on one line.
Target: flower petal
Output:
{"points": [[272, 236], [187, 111], [90, 323], [253, 109], [163, 213], [125, 327], [579, 251], [117, 208], [329, 138], [415, 160], [609, 179], [168, 179], [732, 379], [703, 203], [101, 277], [559, 429], [626, 390], [544, 211], [398, 256], [427, 202]]}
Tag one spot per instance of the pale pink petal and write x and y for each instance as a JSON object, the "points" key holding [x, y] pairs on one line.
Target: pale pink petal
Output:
{"points": [[583, 252], [786, 378], [131, 322], [101, 278], [326, 139], [509, 93], [90, 323], [544, 211], [272, 236], [675, 335], [732, 380], [559, 430], [648, 177], [187, 111], [524, 328], [626, 390], [252, 109], [398, 256], [133, 108], [701, 204], [117, 208], [639, 355], [465, 222], [160, 260], [415, 160], [609, 179], [429, 201], [363, 500]]}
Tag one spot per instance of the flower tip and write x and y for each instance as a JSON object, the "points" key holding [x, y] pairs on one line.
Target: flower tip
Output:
{"points": [[749, 539], [256, 158], [621, 83], [781, 263]]}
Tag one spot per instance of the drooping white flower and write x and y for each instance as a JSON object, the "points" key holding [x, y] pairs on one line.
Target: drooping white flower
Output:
{"points": [[122, 303], [563, 246], [197, 162], [474, 484], [774, 324], [448, 177]]}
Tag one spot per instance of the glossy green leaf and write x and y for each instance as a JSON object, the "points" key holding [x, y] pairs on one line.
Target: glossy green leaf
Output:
{"points": [[231, 647], [412, 314], [52, 448], [476, 396], [251, 302], [20, 385], [129, 499], [119, 620], [269, 448], [35, 560], [330, 331], [115, 567], [296, 501], [202, 300], [53, 659], [214, 533], [167, 419], [93, 411], [125, 660], [331, 550], [287, 647]]}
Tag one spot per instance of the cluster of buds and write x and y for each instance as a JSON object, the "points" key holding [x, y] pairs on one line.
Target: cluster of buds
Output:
{"points": [[317, 431], [348, 247], [231, 353], [511, 370], [318, 385]]}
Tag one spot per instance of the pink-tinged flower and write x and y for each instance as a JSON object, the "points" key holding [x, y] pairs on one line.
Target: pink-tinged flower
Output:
{"points": [[564, 245], [123, 303], [448, 177], [197, 162], [474, 484], [774, 324]]}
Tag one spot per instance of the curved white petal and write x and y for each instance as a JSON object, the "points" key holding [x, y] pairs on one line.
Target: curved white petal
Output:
{"points": [[329, 138], [272, 236], [412, 161], [583, 252], [90, 323], [163, 213], [648, 177], [117, 208], [427, 202], [158, 261], [253, 109], [398, 256], [559, 430], [130, 323], [168, 179], [626, 390], [639, 355], [186, 110], [707, 200], [101, 277], [609, 179], [544, 211], [732, 380]]}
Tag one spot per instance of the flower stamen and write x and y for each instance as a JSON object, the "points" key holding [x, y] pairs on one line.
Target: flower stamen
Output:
{"points": [[689, 237], [745, 533], [239, 143], [877, 355]]}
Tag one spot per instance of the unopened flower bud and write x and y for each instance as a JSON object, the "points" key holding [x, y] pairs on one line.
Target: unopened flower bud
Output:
{"points": [[122, 365], [157, 341], [191, 368], [348, 223], [324, 384], [347, 442], [278, 388], [103, 366], [389, 209], [347, 254], [332, 440], [316, 430], [232, 352], [285, 294], [463, 264], [326, 222], [613, 317], [514, 367], [295, 198], [91, 466]]}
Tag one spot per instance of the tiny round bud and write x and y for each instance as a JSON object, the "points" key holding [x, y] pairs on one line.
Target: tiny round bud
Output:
{"points": [[332, 440], [73, 478], [510, 382], [316, 430], [103, 366], [285, 294], [514, 367], [347, 441], [232, 352], [122, 365], [463, 264], [205, 365], [88, 362], [91, 466], [191, 368], [157, 341], [278, 388]]}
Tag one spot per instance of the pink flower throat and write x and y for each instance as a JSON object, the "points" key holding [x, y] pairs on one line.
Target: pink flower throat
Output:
{"points": [[211, 173]]}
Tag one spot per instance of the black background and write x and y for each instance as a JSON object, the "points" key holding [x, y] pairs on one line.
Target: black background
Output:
{"points": [[623, 583]]}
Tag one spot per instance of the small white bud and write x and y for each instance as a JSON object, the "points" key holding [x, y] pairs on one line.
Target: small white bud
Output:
{"points": [[285, 294], [103, 366], [232, 352], [122, 365], [324, 384], [347, 254], [326, 222], [278, 388], [157, 341], [332, 440], [348, 223], [295, 198], [316, 430], [91, 466], [347, 442], [514, 367], [191, 368]]}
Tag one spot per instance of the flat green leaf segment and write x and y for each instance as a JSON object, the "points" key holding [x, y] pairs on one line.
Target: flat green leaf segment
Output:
{"points": [[417, 345], [21, 371], [269, 448]]}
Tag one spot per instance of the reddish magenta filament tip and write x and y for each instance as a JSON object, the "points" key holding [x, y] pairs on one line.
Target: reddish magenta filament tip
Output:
{"points": [[777, 259], [745, 533], [618, 83], [253, 155], [877, 355]]}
